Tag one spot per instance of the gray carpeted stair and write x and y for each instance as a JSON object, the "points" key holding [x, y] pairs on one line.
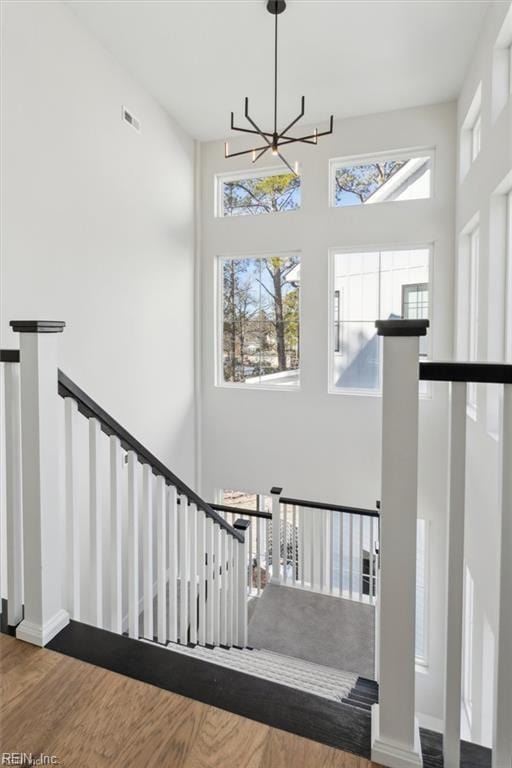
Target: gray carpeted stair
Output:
{"points": [[321, 681]]}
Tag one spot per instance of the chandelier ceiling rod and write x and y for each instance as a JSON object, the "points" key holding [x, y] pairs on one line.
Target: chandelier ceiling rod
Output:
{"points": [[274, 140]]}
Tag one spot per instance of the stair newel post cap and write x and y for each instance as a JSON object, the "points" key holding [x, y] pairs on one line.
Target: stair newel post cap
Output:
{"points": [[37, 326], [242, 526], [276, 490], [399, 327]]}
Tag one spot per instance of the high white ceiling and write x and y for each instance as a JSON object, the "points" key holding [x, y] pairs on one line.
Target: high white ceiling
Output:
{"points": [[200, 58]]}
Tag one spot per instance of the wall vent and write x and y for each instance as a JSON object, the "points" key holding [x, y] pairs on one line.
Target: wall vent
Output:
{"points": [[130, 118]]}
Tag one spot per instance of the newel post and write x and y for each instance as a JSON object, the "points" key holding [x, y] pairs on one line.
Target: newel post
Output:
{"points": [[44, 613], [395, 732], [276, 535], [243, 565]]}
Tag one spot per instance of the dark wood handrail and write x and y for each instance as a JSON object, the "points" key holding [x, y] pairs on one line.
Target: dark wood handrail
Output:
{"points": [[90, 409], [478, 373], [241, 511], [9, 355], [330, 507]]}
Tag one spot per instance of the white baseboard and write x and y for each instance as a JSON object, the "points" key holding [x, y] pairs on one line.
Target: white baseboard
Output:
{"points": [[394, 755], [40, 635]]}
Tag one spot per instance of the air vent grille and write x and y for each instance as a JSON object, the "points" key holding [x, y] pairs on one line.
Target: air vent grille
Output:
{"points": [[129, 117]]}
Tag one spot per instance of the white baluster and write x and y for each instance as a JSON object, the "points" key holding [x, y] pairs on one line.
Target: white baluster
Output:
{"points": [[455, 573], [216, 584], [259, 525], [72, 511], [172, 517], [351, 555], [184, 564], [209, 580], [224, 587], [13, 492], [302, 550], [341, 518], [294, 545], [147, 550], [201, 573], [133, 547], [192, 520], [502, 736], [371, 575], [116, 536], [330, 549], [284, 540], [161, 560], [360, 558], [230, 590], [96, 522]]}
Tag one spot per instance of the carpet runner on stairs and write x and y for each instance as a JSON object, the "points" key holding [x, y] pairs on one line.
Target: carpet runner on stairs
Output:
{"points": [[321, 681], [363, 695]]}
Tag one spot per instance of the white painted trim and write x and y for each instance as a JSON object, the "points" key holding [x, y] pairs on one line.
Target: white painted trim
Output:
{"points": [[253, 173], [40, 635], [399, 154], [218, 321], [394, 755], [370, 248]]}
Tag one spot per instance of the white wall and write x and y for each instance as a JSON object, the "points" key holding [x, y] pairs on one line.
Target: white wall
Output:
{"points": [[98, 226], [480, 197], [318, 445]]}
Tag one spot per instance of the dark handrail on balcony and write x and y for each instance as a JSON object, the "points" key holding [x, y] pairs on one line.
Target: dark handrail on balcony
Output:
{"points": [[330, 507], [478, 373], [241, 511]]}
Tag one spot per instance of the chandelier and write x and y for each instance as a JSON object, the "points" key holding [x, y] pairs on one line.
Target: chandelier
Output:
{"points": [[273, 140]]}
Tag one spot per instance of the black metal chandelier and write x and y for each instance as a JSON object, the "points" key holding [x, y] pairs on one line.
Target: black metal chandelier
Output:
{"points": [[274, 140]]}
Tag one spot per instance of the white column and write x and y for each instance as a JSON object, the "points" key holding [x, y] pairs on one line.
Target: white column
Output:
{"points": [[455, 574], [13, 493], [42, 542], [502, 737], [276, 535], [395, 732]]}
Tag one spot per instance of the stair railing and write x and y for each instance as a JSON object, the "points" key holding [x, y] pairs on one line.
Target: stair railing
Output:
{"points": [[321, 547], [173, 570], [393, 719]]}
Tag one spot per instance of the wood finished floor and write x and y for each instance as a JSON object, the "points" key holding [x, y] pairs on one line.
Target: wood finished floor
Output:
{"points": [[92, 718]]}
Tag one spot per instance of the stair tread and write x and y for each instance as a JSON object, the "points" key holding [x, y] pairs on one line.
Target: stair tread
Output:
{"points": [[313, 678]]}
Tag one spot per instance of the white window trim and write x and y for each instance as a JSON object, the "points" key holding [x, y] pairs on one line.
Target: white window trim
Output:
{"points": [[252, 173], [466, 138], [476, 137], [218, 324], [331, 389], [399, 154]]}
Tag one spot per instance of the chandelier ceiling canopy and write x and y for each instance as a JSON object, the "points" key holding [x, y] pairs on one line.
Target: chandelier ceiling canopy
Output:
{"points": [[274, 140]]}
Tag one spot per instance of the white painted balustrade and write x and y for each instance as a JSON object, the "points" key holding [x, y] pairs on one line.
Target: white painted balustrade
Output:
{"points": [[138, 553], [332, 551]]}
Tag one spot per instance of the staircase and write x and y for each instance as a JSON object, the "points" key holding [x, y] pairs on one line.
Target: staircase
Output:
{"points": [[295, 673]]}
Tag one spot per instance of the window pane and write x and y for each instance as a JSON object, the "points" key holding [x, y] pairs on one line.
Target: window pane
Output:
{"points": [[370, 286], [382, 181], [261, 320], [262, 194]]}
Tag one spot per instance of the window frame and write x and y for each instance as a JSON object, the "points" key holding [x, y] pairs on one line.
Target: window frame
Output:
{"points": [[367, 159], [476, 136], [252, 173], [219, 324], [331, 389]]}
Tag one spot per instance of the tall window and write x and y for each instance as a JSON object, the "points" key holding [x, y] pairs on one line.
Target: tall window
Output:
{"points": [[474, 259], [389, 178], [476, 137], [260, 320], [250, 194], [374, 285]]}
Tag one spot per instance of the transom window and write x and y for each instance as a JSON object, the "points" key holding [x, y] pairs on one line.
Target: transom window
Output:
{"points": [[260, 320], [388, 178], [253, 193], [383, 284]]}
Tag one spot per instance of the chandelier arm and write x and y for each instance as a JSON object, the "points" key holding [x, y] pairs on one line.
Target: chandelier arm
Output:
{"points": [[302, 110], [258, 129], [285, 161], [260, 154], [245, 152], [250, 130], [293, 139], [313, 136]]}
